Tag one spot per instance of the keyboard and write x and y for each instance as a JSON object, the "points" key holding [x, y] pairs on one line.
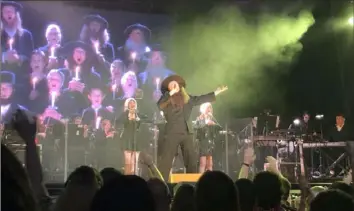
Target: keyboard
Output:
{"points": [[328, 144]]}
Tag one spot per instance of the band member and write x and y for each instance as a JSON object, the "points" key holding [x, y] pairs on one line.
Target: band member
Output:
{"points": [[177, 106], [53, 47], [16, 42], [135, 46], [206, 134], [36, 84], [131, 122], [94, 32], [341, 131], [8, 106], [79, 73]]}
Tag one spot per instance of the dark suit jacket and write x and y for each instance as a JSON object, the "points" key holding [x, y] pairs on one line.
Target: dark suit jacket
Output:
{"points": [[178, 120], [24, 47]]}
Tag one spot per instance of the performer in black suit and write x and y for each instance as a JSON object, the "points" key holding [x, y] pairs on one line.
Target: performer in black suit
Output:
{"points": [[177, 106], [207, 130], [94, 32], [53, 47], [16, 42], [8, 107]]}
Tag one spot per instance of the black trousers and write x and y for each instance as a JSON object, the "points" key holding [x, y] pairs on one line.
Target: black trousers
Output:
{"points": [[168, 149]]}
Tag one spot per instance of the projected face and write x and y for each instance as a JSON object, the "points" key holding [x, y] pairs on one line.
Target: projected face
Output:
{"points": [[173, 85], [37, 63], [96, 97], [6, 91], [9, 14], [306, 118], [130, 81], [94, 26], [53, 36], [137, 36], [116, 70], [340, 120], [54, 82], [79, 55], [157, 58], [132, 105]]}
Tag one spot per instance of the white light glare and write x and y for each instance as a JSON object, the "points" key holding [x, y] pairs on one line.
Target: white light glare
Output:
{"points": [[296, 121], [319, 116], [351, 21]]}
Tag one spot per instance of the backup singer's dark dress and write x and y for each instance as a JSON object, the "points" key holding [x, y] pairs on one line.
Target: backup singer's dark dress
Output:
{"points": [[207, 136], [129, 135]]}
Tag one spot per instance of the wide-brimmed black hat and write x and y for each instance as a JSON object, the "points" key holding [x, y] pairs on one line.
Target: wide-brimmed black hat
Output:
{"points": [[69, 47], [18, 7], [144, 29], [7, 77], [95, 17], [166, 81]]}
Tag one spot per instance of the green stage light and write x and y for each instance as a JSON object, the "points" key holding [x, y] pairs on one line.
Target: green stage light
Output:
{"points": [[351, 20]]}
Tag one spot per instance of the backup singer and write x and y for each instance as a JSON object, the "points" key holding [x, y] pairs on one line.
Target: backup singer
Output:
{"points": [[35, 85], [94, 32], [206, 134], [16, 42], [131, 122], [177, 106], [8, 106], [53, 36]]}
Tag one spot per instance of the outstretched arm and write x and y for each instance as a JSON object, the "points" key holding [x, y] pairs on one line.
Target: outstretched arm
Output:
{"points": [[210, 97]]}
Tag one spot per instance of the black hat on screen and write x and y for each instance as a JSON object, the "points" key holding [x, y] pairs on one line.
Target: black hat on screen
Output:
{"points": [[95, 17], [146, 31], [69, 48], [18, 7], [7, 77]]}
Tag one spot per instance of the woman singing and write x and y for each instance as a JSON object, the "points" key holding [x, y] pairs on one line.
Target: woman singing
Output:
{"points": [[206, 134], [131, 123]]}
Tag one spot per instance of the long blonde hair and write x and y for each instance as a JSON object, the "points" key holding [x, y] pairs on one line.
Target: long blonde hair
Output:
{"points": [[19, 28]]}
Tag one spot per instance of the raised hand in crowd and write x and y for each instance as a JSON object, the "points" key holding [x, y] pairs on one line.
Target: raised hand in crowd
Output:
{"points": [[76, 86], [272, 164], [248, 159]]}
